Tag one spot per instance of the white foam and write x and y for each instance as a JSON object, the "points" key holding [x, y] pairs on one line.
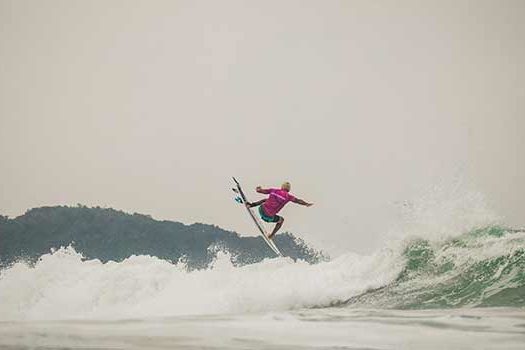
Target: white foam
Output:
{"points": [[62, 286]]}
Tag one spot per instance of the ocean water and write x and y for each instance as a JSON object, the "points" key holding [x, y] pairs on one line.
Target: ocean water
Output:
{"points": [[462, 292], [326, 328]]}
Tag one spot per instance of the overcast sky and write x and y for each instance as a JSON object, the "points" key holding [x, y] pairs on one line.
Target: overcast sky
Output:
{"points": [[151, 106]]}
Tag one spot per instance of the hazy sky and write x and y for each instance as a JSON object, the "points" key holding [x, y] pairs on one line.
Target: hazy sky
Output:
{"points": [[151, 106]]}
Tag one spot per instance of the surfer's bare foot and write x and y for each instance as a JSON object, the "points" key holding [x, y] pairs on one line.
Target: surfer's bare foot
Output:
{"points": [[271, 236]]}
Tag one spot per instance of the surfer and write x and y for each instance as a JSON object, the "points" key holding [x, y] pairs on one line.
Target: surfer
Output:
{"points": [[277, 199]]}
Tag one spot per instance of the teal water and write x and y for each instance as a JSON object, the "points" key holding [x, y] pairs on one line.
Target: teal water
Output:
{"points": [[482, 268]]}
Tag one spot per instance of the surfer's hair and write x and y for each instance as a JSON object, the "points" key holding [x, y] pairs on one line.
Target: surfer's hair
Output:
{"points": [[286, 186]]}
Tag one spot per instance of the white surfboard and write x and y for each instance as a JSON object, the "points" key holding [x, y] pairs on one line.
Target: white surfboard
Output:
{"points": [[256, 220]]}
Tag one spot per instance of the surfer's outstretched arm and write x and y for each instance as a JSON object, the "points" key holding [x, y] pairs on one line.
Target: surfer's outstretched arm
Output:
{"points": [[254, 204], [301, 202], [259, 189]]}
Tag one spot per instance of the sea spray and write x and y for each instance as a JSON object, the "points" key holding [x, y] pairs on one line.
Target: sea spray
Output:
{"points": [[441, 212]]}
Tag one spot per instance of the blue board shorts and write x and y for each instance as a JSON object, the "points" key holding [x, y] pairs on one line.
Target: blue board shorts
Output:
{"points": [[267, 218]]}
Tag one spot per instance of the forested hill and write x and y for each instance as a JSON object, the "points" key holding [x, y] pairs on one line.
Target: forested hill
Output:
{"points": [[109, 234]]}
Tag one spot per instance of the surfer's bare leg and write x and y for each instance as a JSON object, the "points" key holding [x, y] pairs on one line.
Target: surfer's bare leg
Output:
{"points": [[254, 204], [277, 227]]}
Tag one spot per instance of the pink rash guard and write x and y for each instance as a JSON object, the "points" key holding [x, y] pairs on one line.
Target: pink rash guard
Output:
{"points": [[276, 201]]}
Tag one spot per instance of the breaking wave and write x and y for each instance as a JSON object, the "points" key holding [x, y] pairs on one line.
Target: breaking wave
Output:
{"points": [[484, 267]]}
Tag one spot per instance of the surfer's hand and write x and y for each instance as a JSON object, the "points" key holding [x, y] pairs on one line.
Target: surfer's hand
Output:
{"points": [[309, 204], [248, 204], [258, 188]]}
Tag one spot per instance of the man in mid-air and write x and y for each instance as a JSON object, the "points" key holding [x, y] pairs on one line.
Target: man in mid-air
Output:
{"points": [[276, 200]]}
